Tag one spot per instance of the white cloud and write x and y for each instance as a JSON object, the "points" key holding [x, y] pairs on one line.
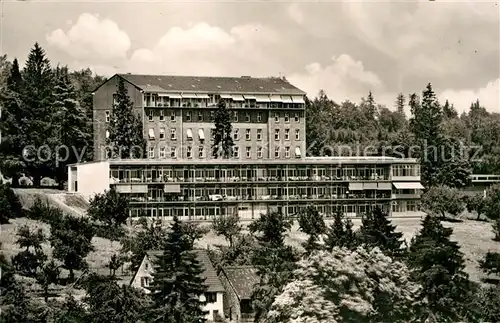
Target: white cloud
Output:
{"points": [[489, 97], [91, 38], [344, 78], [296, 13]]}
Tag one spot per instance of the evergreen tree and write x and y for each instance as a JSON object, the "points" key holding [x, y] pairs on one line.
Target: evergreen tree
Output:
{"points": [[439, 267], [449, 111], [340, 233], [14, 303], [311, 223], [48, 274], [177, 282], [126, 136], [222, 136], [400, 103], [377, 231], [29, 260], [10, 206]]}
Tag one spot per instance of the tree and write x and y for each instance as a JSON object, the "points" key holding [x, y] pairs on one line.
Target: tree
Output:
{"points": [[340, 233], [48, 275], [476, 203], [439, 267], [10, 206], [71, 240], [311, 223], [400, 104], [443, 200], [32, 257], [110, 208], [70, 311], [115, 262], [239, 254], [109, 302], [449, 111], [490, 264], [455, 169], [222, 145], [487, 303], [377, 231], [347, 286], [227, 226], [126, 136], [177, 281]]}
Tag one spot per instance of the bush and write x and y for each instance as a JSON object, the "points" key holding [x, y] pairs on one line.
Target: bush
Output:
{"points": [[42, 211], [10, 206]]}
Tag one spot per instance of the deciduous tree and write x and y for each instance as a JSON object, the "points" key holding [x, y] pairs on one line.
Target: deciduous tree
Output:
{"points": [[443, 200], [311, 223]]}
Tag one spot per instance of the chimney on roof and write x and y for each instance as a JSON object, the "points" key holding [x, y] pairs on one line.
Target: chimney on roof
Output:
{"points": [[245, 77]]}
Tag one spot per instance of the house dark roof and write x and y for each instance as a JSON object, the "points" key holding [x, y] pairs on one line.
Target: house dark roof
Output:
{"points": [[212, 85], [209, 273], [243, 279]]}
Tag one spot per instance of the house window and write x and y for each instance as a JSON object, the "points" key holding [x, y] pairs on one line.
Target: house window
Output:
{"points": [[189, 152], [259, 152], [236, 152], [108, 116], [162, 114], [296, 117], [248, 150], [150, 117], [297, 134], [287, 152], [188, 116], [277, 152], [211, 297], [145, 281], [247, 117], [259, 116], [201, 152], [163, 154], [173, 152], [259, 134], [277, 117], [276, 134], [172, 134], [287, 117], [162, 133], [107, 134], [172, 116], [115, 99], [236, 134], [287, 134], [151, 152], [247, 134], [200, 116], [235, 116], [151, 133]]}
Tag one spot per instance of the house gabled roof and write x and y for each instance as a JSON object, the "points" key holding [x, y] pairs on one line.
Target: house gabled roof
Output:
{"points": [[211, 279], [242, 279], [209, 85]]}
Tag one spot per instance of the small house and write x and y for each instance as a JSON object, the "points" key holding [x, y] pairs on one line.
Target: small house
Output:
{"points": [[239, 282]]}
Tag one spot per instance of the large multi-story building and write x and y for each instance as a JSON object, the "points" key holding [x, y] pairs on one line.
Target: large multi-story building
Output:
{"points": [[268, 170]]}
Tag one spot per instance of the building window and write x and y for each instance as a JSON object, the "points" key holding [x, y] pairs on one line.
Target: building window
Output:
{"points": [[189, 152], [297, 117], [172, 116], [277, 117], [287, 134], [107, 134], [172, 134], [235, 116], [189, 134], [211, 297], [150, 117], [200, 116], [287, 152], [236, 134], [297, 134], [276, 134], [259, 116], [248, 151], [115, 99], [151, 152], [108, 116], [151, 133], [188, 116], [163, 152], [259, 152], [287, 117], [247, 134], [259, 134], [247, 117], [236, 152], [201, 152], [277, 152], [162, 133], [162, 114], [173, 152]]}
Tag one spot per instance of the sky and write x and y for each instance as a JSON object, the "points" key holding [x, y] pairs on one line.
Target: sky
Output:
{"points": [[346, 48]]}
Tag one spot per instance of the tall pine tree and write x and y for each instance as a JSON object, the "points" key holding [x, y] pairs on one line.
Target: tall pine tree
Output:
{"points": [[400, 103], [126, 135], [222, 136], [340, 233], [177, 281]]}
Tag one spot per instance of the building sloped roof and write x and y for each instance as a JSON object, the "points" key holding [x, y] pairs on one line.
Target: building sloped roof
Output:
{"points": [[209, 273], [243, 279], [209, 85]]}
